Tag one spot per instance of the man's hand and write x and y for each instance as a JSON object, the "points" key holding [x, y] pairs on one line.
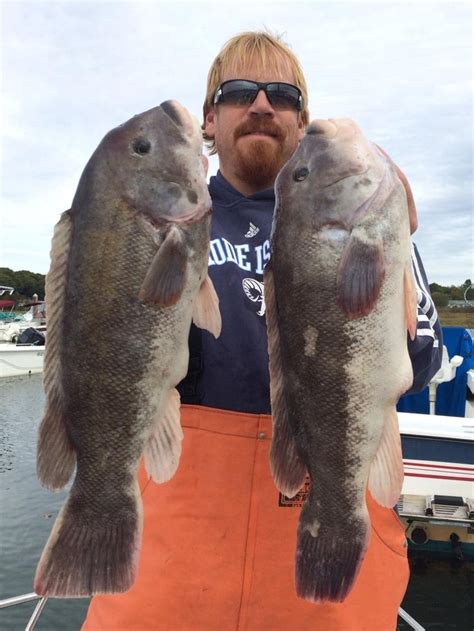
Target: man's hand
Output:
{"points": [[411, 202]]}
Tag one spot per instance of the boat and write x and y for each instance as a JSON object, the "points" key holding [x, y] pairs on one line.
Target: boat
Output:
{"points": [[437, 431], [437, 500], [7, 305], [25, 357], [11, 328], [22, 338]]}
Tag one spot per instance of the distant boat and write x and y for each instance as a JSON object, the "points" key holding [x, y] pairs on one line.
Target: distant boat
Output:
{"points": [[25, 357], [13, 326]]}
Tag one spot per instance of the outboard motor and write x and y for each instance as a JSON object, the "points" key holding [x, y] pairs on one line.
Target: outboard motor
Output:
{"points": [[31, 336]]}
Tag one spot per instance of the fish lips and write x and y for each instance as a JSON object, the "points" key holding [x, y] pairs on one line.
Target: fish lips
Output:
{"points": [[201, 211]]}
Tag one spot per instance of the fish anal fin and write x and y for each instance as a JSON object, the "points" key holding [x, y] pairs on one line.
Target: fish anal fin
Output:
{"points": [[55, 455], [287, 469], [163, 448], [386, 469], [166, 277], [56, 458], [206, 314], [360, 276], [411, 305]]}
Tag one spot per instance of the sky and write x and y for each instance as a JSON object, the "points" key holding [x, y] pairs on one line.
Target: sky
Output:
{"points": [[71, 71]]}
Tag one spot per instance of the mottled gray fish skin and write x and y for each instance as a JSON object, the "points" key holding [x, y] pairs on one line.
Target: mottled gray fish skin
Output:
{"points": [[334, 291], [129, 266]]}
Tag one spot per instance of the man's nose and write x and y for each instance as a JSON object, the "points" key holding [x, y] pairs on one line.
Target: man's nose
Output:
{"points": [[261, 105]]}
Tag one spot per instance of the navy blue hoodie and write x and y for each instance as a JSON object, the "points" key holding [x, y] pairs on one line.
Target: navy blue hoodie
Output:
{"points": [[232, 372]]}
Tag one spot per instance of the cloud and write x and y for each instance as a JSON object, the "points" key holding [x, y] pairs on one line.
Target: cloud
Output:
{"points": [[72, 71]]}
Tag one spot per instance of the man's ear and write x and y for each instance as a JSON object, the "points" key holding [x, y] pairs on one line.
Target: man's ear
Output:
{"points": [[209, 123]]}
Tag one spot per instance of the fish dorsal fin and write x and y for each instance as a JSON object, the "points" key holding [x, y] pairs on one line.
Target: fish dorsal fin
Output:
{"points": [[206, 314], [163, 449], [286, 467], [166, 277], [386, 470], [56, 458], [411, 305], [360, 276]]}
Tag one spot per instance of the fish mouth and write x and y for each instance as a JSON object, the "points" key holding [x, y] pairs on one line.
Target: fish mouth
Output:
{"points": [[203, 209], [322, 127], [181, 118], [176, 112]]}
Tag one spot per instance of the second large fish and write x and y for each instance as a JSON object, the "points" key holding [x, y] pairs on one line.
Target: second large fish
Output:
{"points": [[128, 274], [340, 297]]}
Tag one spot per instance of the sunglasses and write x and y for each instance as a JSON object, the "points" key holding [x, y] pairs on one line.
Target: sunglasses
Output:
{"points": [[241, 92]]}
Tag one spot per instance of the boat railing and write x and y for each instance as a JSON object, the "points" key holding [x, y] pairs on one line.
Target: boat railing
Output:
{"points": [[19, 600], [24, 598]]}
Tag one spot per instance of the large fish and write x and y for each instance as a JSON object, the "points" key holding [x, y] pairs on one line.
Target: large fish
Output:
{"points": [[128, 274], [340, 297]]}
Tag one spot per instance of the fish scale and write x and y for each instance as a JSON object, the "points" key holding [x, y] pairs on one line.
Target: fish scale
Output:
{"points": [[128, 275], [339, 296]]}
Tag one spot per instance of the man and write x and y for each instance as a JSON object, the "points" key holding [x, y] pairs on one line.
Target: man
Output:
{"points": [[218, 543]]}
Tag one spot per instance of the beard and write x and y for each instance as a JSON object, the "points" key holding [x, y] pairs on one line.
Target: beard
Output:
{"points": [[259, 161]]}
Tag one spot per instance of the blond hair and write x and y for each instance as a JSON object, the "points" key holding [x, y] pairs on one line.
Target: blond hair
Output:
{"points": [[256, 50]]}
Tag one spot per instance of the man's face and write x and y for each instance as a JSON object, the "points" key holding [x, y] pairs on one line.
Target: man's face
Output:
{"points": [[254, 141]]}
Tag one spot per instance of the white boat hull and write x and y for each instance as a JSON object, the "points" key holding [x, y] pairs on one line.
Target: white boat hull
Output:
{"points": [[437, 501], [20, 360]]}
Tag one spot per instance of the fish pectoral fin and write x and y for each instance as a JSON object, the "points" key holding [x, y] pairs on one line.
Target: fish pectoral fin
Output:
{"points": [[360, 276], [206, 314], [56, 457], [287, 469], [166, 277], [411, 305], [386, 470], [163, 449]]}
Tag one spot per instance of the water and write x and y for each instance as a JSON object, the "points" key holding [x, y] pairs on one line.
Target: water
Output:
{"points": [[27, 510], [440, 595]]}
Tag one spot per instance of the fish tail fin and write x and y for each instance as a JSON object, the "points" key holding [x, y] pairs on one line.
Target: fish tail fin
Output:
{"points": [[88, 555], [328, 558]]}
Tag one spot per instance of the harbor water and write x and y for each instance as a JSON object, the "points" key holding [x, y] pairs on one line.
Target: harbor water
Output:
{"points": [[440, 595]]}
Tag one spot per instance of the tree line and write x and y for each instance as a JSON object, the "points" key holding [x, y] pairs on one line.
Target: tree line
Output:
{"points": [[27, 284], [442, 295]]}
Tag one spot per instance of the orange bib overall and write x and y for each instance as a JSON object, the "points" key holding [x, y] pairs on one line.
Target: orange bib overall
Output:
{"points": [[219, 546]]}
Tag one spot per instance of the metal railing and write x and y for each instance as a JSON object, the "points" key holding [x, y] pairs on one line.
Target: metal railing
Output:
{"points": [[24, 598]]}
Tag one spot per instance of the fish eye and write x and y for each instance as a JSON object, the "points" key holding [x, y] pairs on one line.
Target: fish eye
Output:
{"points": [[141, 146], [300, 174]]}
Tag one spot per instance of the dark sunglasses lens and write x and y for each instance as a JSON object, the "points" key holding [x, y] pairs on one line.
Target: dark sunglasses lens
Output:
{"points": [[239, 92], [284, 96]]}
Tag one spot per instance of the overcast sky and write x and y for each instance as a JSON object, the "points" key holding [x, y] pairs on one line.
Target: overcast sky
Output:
{"points": [[74, 70]]}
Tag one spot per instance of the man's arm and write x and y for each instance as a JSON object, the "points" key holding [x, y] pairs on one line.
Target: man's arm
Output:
{"points": [[427, 348]]}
